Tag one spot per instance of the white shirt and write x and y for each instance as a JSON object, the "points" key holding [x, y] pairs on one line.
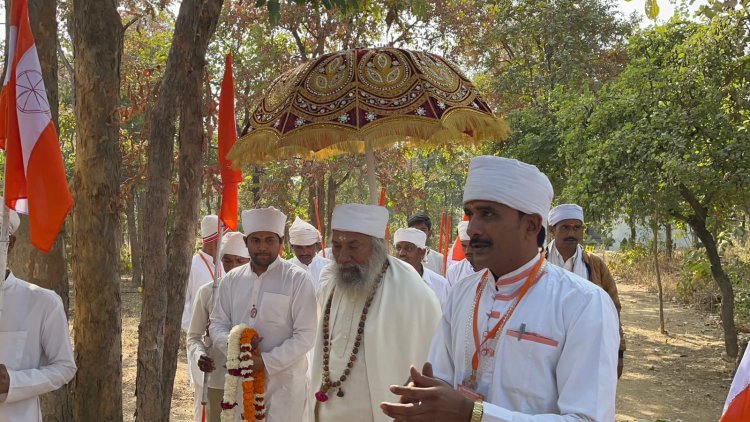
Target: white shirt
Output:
{"points": [[573, 264], [434, 261], [313, 270], [198, 343], [437, 283], [34, 347], [201, 273], [563, 367], [459, 271], [286, 319]]}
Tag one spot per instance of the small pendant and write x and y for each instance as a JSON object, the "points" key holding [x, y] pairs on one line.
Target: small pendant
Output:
{"points": [[340, 393], [253, 312], [321, 396]]}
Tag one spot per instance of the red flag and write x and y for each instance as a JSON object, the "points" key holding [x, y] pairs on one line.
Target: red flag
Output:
{"points": [[737, 406], [230, 178], [34, 171]]}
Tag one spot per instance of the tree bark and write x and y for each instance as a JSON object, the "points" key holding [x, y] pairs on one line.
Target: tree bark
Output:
{"points": [[181, 243], [655, 249], [697, 222], [632, 226], [668, 240], [133, 238], [97, 48], [149, 399]]}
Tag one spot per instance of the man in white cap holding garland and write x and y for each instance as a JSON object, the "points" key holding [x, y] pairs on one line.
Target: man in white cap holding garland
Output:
{"points": [[200, 345], [459, 270], [521, 340], [378, 318], [306, 242], [276, 298], [411, 248], [566, 226], [35, 352]]}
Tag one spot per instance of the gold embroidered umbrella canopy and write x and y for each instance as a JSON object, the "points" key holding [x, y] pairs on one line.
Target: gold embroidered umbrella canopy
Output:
{"points": [[357, 101]]}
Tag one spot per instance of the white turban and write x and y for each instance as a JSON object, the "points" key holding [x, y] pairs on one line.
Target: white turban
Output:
{"points": [[411, 235], [302, 233], [366, 219], [233, 243], [210, 228], [13, 221], [510, 182], [463, 231], [263, 220], [565, 212]]}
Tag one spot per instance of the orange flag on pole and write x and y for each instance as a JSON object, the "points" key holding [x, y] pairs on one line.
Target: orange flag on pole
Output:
{"points": [[35, 180], [230, 178]]}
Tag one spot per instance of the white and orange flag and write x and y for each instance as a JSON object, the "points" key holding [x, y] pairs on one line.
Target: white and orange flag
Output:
{"points": [[737, 406], [35, 181]]}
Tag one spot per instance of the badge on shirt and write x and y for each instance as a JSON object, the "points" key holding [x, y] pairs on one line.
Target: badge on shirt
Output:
{"points": [[253, 312]]}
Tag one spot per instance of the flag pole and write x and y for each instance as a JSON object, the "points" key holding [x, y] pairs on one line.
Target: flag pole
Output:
{"points": [[218, 267]]}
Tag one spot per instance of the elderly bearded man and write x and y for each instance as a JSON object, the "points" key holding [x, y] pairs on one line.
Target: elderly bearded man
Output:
{"points": [[411, 248], [306, 243], [566, 227], [200, 346], [276, 298], [378, 319], [520, 340]]}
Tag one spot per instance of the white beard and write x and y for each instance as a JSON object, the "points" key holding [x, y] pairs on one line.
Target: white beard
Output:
{"points": [[357, 283]]}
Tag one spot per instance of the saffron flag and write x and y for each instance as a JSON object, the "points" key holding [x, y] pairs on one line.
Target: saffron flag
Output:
{"points": [[230, 178], [35, 181], [458, 248], [737, 406]]}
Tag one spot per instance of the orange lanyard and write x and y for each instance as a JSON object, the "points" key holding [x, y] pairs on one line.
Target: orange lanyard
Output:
{"points": [[207, 266], [500, 324]]}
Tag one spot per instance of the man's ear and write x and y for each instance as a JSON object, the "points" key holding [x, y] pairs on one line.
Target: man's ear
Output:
{"points": [[533, 224]]}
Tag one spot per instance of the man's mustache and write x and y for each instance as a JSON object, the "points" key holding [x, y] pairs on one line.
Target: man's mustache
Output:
{"points": [[480, 243]]}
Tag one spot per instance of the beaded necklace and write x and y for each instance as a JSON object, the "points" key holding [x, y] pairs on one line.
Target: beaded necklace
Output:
{"points": [[322, 394]]}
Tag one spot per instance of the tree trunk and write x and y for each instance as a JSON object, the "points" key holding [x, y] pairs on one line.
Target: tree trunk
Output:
{"points": [[668, 240], [149, 377], [181, 243], [655, 231], [632, 226], [697, 222], [134, 238], [95, 258], [47, 270]]}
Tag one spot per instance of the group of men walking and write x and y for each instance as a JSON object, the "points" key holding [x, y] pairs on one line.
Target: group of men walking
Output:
{"points": [[519, 328]]}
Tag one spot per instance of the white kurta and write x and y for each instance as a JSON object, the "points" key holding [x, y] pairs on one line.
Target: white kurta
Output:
{"points": [[314, 269], [459, 271], [434, 261], [437, 283], [556, 358], [34, 347], [400, 325], [199, 344], [286, 319], [201, 273]]}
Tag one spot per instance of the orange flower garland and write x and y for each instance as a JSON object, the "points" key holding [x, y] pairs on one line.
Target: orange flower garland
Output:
{"points": [[253, 384]]}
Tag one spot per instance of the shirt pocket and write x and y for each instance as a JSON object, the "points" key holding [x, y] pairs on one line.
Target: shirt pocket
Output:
{"points": [[274, 308], [11, 348], [530, 363]]}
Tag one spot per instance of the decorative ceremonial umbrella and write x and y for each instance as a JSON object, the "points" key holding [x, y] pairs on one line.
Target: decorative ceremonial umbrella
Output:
{"points": [[355, 101]]}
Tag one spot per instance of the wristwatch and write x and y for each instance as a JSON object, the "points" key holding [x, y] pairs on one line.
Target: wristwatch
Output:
{"points": [[477, 411]]}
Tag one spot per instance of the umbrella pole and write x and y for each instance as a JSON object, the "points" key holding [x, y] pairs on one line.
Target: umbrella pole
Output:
{"points": [[371, 182]]}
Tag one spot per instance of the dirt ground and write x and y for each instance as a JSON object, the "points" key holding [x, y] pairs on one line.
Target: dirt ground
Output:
{"points": [[679, 376]]}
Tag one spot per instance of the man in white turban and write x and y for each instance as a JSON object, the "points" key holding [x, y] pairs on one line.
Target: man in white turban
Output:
{"points": [[306, 242], [520, 340], [201, 273], [566, 227], [411, 248], [201, 348], [378, 319], [459, 270], [277, 299], [35, 352], [435, 260]]}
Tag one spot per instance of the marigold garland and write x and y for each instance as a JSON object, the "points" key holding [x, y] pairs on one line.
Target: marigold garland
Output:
{"points": [[240, 365]]}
